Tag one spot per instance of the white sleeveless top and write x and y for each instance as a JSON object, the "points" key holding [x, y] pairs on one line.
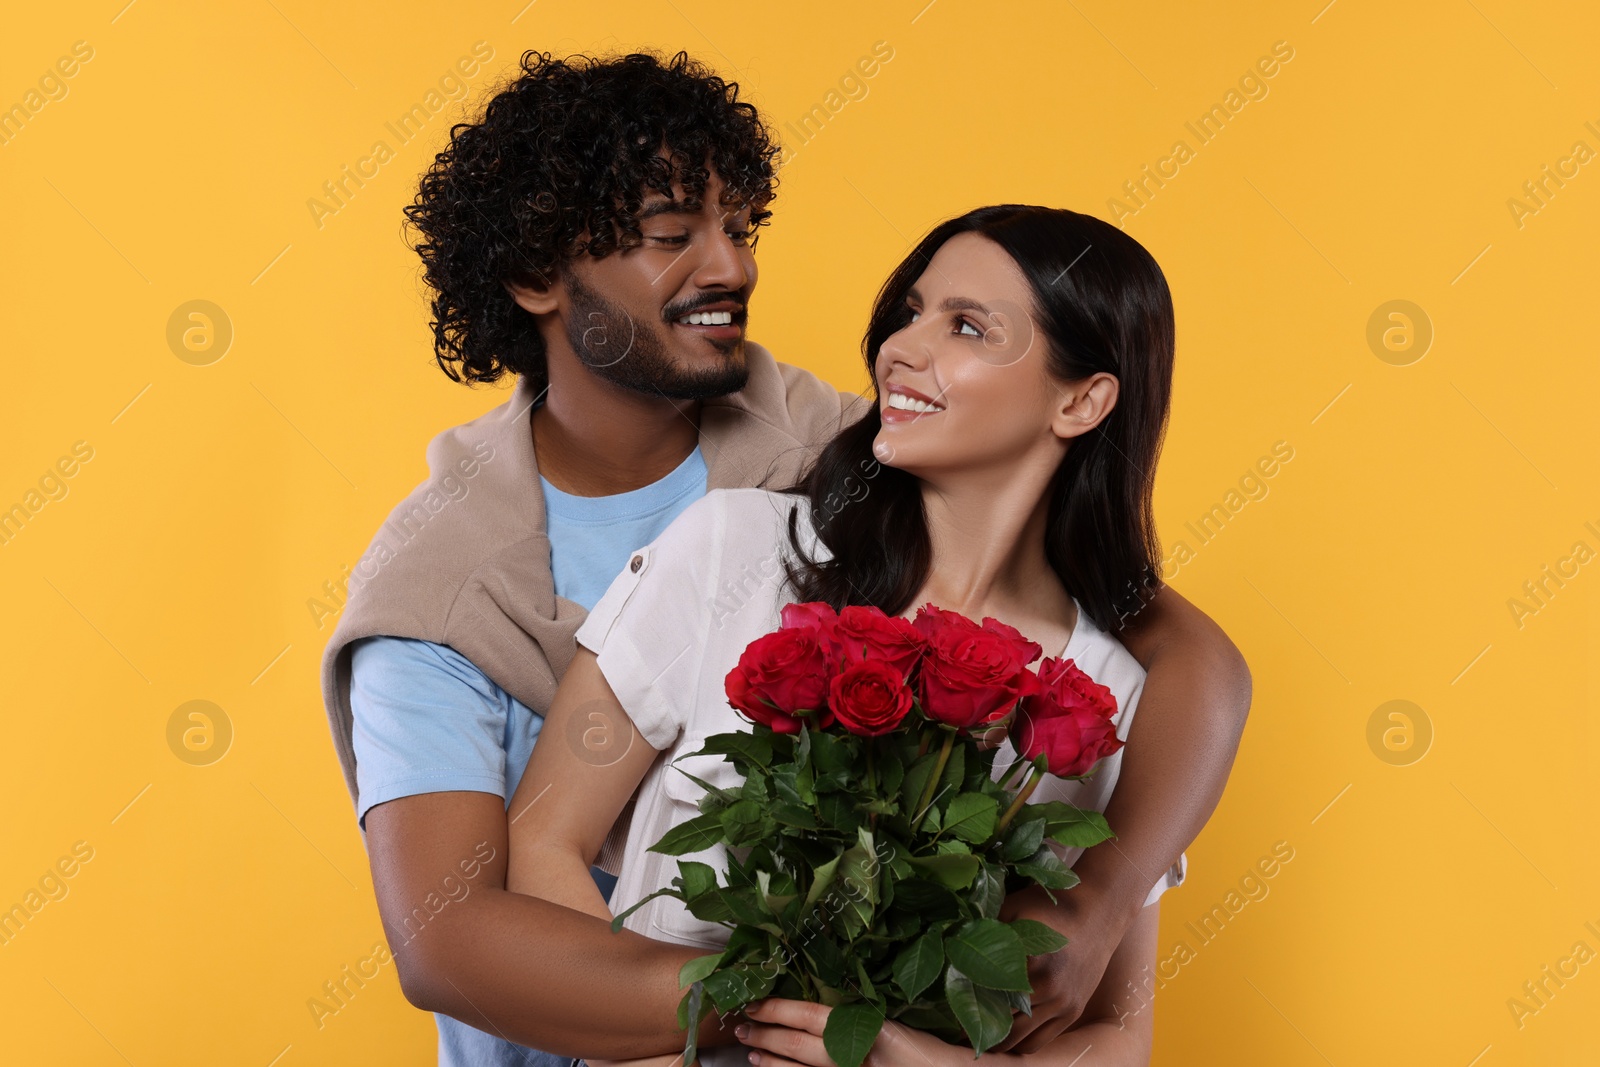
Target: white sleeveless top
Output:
{"points": [[672, 625]]}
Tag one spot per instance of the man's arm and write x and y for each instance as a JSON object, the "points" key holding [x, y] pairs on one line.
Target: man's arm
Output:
{"points": [[431, 737], [1180, 750], [530, 971]]}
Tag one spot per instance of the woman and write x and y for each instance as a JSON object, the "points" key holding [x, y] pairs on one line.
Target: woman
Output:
{"points": [[1022, 360]]}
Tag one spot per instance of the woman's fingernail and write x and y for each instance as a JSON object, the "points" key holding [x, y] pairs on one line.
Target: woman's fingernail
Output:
{"points": [[741, 1031], [755, 1005], [755, 1057]]}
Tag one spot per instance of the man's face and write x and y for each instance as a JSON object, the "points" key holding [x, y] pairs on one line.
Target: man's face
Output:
{"points": [[667, 317]]}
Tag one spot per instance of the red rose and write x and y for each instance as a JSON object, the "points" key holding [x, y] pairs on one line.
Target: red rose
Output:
{"points": [[782, 677], [972, 674], [815, 615], [864, 633], [870, 698], [1068, 720]]}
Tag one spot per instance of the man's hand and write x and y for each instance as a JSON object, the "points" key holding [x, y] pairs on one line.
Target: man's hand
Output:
{"points": [[1064, 980]]}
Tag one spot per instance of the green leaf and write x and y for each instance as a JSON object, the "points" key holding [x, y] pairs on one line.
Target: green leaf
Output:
{"points": [[918, 965], [971, 817], [984, 1014], [954, 870], [742, 823], [700, 832], [916, 779], [1023, 840], [988, 891], [734, 987], [1037, 938], [755, 746], [774, 902], [1046, 868], [990, 953], [696, 969], [850, 1032], [696, 879], [821, 879], [794, 815], [725, 795], [1073, 826], [839, 812]]}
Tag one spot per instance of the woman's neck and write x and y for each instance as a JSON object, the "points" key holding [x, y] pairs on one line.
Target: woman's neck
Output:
{"points": [[989, 558]]}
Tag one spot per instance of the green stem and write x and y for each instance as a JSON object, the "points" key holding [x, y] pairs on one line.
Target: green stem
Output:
{"points": [[1006, 777], [1016, 805], [933, 779]]}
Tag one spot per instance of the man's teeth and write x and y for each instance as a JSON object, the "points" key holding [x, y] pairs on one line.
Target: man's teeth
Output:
{"points": [[900, 400], [707, 318]]}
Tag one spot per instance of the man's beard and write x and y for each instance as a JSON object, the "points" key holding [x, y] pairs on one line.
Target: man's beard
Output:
{"points": [[612, 345]]}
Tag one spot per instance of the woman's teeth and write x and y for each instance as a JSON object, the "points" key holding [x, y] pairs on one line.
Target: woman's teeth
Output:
{"points": [[900, 400], [707, 318]]}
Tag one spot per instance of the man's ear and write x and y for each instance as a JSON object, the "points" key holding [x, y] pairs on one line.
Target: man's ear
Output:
{"points": [[538, 295], [1084, 404]]}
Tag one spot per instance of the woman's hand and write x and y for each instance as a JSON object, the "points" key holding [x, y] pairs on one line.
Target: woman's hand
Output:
{"points": [[788, 1033]]}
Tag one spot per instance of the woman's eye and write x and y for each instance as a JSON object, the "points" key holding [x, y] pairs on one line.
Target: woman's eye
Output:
{"points": [[915, 316], [738, 237], [965, 325], [671, 239]]}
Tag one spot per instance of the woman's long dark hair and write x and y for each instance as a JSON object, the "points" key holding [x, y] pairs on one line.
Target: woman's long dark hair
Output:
{"points": [[1101, 304]]}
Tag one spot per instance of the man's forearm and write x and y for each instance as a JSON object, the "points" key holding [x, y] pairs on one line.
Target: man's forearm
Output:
{"points": [[1179, 752], [547, 976]]}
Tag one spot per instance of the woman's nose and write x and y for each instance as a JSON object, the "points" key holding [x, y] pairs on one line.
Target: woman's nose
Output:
{"points": [[906, 345]]}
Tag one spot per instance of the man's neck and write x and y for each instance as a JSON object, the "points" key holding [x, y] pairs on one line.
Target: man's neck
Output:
{"points": [[593, 438]]}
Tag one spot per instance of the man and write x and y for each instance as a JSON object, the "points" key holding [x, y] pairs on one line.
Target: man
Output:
{"points": [[593, 236]]}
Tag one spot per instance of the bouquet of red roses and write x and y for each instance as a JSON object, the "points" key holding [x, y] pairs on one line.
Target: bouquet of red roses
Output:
{"points": [[870, 845]]}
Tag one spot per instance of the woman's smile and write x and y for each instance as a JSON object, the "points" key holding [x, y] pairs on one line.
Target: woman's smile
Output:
{"points": [[903, 404]]}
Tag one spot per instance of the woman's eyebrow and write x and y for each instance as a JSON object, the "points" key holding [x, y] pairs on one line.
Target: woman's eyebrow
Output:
{"points": [[952, 303]]}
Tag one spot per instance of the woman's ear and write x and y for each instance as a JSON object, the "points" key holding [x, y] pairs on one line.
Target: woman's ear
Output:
{"points": [[539, 295], [1084, 404]]}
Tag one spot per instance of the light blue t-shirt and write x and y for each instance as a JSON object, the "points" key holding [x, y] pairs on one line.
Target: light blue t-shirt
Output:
{"points": [[428, 721]]}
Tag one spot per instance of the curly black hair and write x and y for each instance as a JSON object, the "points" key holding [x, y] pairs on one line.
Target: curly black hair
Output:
{"points": [[567, 148]]}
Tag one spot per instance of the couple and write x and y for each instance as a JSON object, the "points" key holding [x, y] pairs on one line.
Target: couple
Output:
{"points": [[519, 663]]}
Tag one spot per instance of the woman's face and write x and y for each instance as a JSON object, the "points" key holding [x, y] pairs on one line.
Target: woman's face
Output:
{"points": [[974, 351]]}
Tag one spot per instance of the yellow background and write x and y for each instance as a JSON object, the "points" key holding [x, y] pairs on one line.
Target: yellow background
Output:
{"points": [[1378, 566]]}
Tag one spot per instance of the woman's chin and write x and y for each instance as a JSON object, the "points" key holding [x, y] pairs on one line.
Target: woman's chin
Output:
{"points": [[886, 453]]}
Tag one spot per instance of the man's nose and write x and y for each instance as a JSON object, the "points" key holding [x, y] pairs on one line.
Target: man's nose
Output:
{"points": [[722, 265]]}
